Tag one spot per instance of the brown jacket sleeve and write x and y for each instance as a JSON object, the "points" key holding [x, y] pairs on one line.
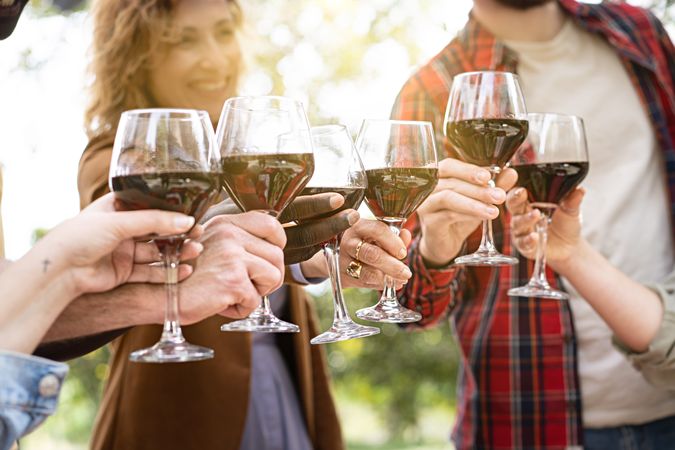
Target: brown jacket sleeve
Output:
{"points": [[92, 175]]}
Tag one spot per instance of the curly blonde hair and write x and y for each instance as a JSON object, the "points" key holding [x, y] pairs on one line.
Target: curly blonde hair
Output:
{"points": [[126, 34]]}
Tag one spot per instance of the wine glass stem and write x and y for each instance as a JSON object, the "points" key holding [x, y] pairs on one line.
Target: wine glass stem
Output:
{"points": [[331, 251], [170, 250], [539, 274], [389, 292], [486, 242]]}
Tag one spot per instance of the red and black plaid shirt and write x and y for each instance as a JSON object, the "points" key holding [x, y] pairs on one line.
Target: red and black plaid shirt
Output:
{"points": [[518, 385]]}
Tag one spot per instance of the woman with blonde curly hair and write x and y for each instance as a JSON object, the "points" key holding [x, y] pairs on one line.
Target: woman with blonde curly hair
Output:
{"points": [[163, 53]]}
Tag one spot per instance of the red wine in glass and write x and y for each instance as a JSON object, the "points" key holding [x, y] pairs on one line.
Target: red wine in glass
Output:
{"points": [[266, 182], [394, 193], [548, 183]]}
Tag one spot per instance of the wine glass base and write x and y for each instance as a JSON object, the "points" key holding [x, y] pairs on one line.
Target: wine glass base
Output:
{"points": [[343, 331], [538, 291], [486, 258], [388, 314], [261, 324], [171, 352]]}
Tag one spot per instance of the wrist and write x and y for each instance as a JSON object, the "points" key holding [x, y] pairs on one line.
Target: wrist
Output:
{"points": [[434, 259], [315, 267], [580, 253]]}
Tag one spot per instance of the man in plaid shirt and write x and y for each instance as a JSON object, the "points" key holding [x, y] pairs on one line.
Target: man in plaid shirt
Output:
{"points": [[539, 373]]}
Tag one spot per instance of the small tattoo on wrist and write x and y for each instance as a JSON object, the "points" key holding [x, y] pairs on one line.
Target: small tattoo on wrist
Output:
{"points": [[45, 263]]}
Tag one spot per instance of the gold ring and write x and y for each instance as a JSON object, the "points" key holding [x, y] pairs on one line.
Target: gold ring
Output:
{"points": [[354, 269], [358, 249]]}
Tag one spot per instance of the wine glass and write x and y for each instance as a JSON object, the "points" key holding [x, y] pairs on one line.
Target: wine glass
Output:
{"points": [[266, 153], [338, 168], [550, 164], [166, 159], [402, 170], [486, 122]]}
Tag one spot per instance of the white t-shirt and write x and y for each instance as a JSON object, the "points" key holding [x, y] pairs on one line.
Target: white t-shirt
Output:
{"points": [[625, 211]]}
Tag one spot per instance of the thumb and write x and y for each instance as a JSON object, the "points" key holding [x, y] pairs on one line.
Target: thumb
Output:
{"points": [[571, 204], [130, 224]]}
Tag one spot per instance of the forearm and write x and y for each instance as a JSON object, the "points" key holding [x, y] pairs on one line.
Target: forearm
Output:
{"points": [[126, 306], [34, 290], [633, 311]]}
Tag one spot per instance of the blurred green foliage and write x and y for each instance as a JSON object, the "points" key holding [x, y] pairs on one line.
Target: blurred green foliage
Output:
{"points": [[399, 373]]}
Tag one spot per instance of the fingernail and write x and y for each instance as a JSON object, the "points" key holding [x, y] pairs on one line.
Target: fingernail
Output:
{"points": [[519, 191], [200, 247], [497, 195], [483, 176], [402, 253], [491, 210], [336, 201], [407, 273], [353, 217], [183, 221]]}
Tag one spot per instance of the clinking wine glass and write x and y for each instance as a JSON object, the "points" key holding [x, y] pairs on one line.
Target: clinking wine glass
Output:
{"points": [[166, 159], [551, 163], [486, 122], [266, 153], [338, 168], [402, 170]]}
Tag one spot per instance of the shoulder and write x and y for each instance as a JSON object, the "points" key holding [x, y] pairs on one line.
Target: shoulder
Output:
{"points": [[626, 16], [431, 82]]}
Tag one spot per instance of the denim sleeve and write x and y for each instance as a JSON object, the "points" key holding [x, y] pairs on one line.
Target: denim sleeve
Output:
{"points": [[29, 392]]}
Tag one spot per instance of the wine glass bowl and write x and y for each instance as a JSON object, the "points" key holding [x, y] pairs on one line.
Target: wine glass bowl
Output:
{"points": [[165, 159], [266, 153], [402, 170], [485, 121], [550, 164]]}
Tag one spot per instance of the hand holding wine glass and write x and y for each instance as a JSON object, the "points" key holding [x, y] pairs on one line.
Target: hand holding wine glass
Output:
{"points": [[550, 165], [461, 200], [486, 122], [165, 159]]}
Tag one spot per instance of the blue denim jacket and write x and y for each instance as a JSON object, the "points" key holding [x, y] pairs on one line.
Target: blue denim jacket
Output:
{"points": [[29, 392]]}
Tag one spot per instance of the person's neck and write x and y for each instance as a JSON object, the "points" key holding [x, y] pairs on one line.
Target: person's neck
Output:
{"points": [[537, 24]]}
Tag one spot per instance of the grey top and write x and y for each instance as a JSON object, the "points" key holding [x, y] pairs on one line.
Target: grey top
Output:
{"points": [[657, 364], [274, 419]]}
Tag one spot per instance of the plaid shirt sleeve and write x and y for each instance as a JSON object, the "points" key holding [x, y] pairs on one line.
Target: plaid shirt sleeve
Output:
{"points": [[430, 291]]}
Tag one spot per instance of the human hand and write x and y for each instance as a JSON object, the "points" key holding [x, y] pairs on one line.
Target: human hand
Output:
{"points": [[564, 231], [318, 218], [242, 260], [380, 254], [462, 199], [109, 256]]}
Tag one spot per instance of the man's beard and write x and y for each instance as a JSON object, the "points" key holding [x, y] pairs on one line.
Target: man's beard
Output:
{"points": [[523, 4]]}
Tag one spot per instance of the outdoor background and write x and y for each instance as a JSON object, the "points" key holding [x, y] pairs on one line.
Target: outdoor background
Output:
{"points": [[346, 60]]}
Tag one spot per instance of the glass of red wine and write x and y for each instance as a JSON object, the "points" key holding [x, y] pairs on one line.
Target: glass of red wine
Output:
{"points": [[166, 159], [551, 163], [338, 168], [266, 154], [486, 121], [402, 170]]}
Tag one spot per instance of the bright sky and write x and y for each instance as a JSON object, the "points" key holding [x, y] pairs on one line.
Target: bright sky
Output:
{"points": [[41, 110]]}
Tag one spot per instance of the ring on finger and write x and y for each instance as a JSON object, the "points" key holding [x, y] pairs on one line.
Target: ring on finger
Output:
{"points": [[354, 269], [358, 249]]}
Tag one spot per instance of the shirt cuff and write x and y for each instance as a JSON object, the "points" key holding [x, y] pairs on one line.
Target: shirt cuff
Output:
{"points": [[299, 277], [30, 382], [661, 351], [438, 278]]}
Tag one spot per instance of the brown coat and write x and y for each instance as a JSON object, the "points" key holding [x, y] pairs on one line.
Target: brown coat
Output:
{"points": [[200, 405]]}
